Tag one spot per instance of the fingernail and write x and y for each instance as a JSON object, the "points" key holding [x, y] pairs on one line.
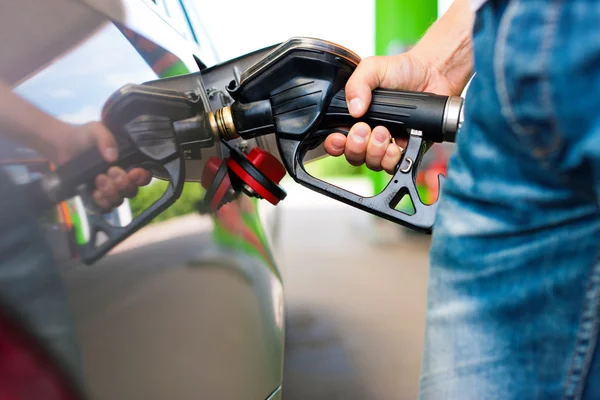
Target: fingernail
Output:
{"points": [[355, 106], [360, 134], [390, 152], [380, 137], [337, 143], [110, 154]]}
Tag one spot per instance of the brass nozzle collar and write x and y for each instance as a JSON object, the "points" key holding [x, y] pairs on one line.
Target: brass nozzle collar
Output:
{"points": [[221, 122]]}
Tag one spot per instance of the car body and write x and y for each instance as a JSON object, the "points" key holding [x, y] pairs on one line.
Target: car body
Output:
{"points": [[154, 322]]}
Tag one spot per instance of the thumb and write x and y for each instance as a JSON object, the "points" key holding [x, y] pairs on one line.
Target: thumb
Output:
{"points": [[105, 141], [367, 77]]}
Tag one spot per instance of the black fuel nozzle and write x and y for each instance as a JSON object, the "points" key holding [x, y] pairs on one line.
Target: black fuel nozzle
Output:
{"points": [[437, 117], [296, 92], [152, 127]]}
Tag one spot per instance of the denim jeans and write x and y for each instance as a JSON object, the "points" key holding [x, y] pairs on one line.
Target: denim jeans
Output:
{"points": [[30, 284], [514, 287]]}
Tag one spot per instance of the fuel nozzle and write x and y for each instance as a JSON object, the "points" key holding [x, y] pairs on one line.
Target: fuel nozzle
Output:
{"points": [[296, 92], [438, 117], [247, 120]]}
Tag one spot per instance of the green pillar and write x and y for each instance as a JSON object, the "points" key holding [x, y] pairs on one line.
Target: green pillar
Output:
{"points": [[399, 24]]}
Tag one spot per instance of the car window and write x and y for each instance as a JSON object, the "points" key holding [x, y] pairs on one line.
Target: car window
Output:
{"points": [[178, 18], [202, 37]]}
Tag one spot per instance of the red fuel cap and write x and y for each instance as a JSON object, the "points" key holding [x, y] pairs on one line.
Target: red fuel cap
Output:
{"points": [[261, 171]]}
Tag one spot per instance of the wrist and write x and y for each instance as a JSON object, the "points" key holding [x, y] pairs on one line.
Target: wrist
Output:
{"points": [[54, 141], [446, 49], [21, 121]]}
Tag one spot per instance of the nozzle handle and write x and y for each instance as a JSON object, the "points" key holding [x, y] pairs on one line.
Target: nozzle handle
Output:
{"points": [[438, 117], [142, 120], [65, 181]]}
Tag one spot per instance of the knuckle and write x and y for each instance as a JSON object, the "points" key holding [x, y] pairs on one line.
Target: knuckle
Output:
{"points": [[100, 200], [354, 163], [355, 154], [100, 180], [374, 165], [110, 193]]}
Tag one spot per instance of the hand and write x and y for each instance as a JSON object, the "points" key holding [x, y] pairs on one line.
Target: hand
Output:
{"points": [[407, 71], [116, 184], [441, 62]]}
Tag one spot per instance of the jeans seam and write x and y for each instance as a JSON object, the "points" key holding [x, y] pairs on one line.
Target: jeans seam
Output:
{"points": [[506, 106], [586, 338], [548, 41]]}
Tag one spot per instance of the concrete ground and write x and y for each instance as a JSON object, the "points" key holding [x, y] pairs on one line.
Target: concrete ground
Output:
{"points": [[355, 302], [355, 296]]}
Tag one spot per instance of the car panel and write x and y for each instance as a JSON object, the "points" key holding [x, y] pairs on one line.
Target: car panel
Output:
{"points": [[199, 316]]}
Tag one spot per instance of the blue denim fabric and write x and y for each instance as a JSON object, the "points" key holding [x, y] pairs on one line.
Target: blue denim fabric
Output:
{"points": [[514, 289], [30, 282]]}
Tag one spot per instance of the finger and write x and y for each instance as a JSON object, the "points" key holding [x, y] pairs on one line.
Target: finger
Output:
{"points": [[102, 203], [391, 158], [105, 141], [125, 187], [335, 144], [366, 77], [356, 144], [378, 144], [108, 191], [140, 176]]}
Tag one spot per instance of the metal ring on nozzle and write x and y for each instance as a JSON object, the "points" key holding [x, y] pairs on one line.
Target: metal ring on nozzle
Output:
{"points": [[453, 116], [223, 121]]}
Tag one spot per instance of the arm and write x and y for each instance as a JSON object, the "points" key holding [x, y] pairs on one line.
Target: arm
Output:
{"points": [[442, 62], [22, 122]]}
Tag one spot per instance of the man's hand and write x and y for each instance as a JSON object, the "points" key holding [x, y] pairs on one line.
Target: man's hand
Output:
{"points": [[402, 72], [116, 184], [440, 63]]}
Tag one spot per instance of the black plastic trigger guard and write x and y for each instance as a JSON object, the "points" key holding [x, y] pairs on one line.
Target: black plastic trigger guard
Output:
{"points": [[383, 204], [141, 117]]}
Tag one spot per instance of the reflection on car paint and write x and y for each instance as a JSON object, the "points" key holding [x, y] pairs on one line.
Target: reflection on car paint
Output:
{"points": [[164, 63], [238, 226]]}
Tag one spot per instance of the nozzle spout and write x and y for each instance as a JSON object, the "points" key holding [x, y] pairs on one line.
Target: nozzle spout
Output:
{"points": [[247, 120]]}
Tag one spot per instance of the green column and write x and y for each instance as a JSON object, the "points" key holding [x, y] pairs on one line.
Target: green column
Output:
{"points": [[399, 24]]}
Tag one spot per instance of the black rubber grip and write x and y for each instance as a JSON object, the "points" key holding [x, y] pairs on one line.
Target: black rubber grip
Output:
{"points": [[84, 168], [396, 110]]}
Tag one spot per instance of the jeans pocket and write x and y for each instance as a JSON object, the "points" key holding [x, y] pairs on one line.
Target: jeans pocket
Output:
{"points": [[525, 40]]}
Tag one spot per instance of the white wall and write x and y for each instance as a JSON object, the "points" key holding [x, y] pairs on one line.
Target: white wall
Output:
{"points": [[443, 6], [247, 25]]}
